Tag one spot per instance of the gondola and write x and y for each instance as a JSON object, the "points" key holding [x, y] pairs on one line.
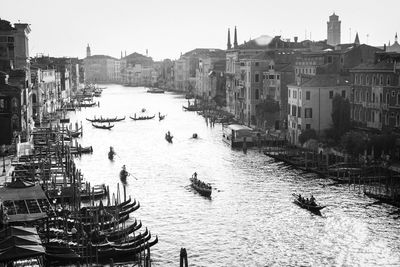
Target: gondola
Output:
{"points": [[168, 137], [201, 187], [106, 127], [161, 117], [102, 120], [313, 208], [141, 118], [192, 108], [109, 208]]}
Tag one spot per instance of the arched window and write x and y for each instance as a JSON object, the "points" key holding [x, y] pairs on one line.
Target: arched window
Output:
{"points": [[367, 100], [387, 98], [367, 80], [355, 79], [388, 80], [381, 80]]}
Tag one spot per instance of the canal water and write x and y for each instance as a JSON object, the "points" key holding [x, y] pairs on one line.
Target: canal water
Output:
{"points": [[250, 219]]}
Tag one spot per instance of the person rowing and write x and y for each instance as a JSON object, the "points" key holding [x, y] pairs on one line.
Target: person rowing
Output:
{"points": [[124, 173], [111, 153]]}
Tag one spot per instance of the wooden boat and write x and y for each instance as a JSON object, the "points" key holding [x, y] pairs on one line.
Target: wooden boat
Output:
{"points": [[192, 108], [109, 208], [140, 118], [101, 119], [86, 105], [313, 208], [81, 150], [155, 91], [161, 117], [168, 138], [100, 126], [201, 187], [384, 198]]}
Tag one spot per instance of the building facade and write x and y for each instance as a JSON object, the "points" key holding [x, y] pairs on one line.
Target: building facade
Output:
{"points": [[333, 26], [310, 103]]}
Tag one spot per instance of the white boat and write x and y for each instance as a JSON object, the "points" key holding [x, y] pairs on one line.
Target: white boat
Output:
{"points": [[236, 134]]}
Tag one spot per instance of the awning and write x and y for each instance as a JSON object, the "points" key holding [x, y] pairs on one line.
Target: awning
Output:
{"points": [[34, 192], [21, 252]]}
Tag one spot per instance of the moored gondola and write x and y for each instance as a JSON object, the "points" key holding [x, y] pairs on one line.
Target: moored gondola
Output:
{"points": [[100, 126], [168, 137]]}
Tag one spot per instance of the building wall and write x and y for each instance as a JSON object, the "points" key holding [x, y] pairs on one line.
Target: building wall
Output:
{"points": [[320, 103]]}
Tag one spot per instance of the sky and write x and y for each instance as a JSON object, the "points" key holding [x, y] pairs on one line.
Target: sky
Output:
{"points": [[167, 28]]}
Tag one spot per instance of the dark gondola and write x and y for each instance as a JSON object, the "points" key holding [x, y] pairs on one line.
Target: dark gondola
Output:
{"points": [[100, 126], [161, 117], [201, 187], [141, 118], [192, 108], [168, 137], [307, 204], [111, 153], [102, 120]]}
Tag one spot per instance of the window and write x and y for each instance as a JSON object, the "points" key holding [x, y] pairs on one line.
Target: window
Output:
{"points": [[367, 80], [381, 80], [388, 80], [355, 78], [329, 59], [398, 99], [289, 93], [299, 94], [357, 96], [397, 120], [380, 98], [34, 98], [374, 80], [263, 76], [362, 79], [271, 77], [367, 97], [373, 97], [393, 93], [308, 113], [289, 109], [241, 63], [308, 95], [257, 96], [387, 98], [257, 78], [330, 94], [278, 77], [299, 112], [294, 94], [343, 93], [257, 64], [308, 126], [294, 109]]}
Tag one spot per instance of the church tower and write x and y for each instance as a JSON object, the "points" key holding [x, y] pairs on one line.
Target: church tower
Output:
{"points": [[88, 53], [333, 30], [229, 45]]}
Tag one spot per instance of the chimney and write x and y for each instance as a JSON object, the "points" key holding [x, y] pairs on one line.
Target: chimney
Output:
{"points": [[296, 39], [384, 47]]}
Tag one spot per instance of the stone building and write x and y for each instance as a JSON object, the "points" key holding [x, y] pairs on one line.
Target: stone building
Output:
{"points": [[310, 103], [136, 69], [100, 69], [375, 101]]}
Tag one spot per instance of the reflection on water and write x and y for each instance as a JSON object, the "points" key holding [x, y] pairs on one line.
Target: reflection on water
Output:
{"points": [[250, 219]]}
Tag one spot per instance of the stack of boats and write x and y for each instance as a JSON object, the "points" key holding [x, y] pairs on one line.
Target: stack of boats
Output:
{"points": [[45, 190]]}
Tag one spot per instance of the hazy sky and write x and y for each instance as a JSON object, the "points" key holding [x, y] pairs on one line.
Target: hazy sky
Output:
{"points": [[168, 27]]}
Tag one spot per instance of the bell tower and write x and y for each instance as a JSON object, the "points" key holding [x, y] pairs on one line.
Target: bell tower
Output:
{"points": [[88, 53], [333, 30]]}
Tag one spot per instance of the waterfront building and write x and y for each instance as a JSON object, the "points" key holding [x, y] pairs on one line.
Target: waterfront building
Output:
{"points": [[14, 61], [100, 69], [375, 101], [186, 66], [11, 109], [333, 27], [136, 70], [310, 103], [210, 78]]}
